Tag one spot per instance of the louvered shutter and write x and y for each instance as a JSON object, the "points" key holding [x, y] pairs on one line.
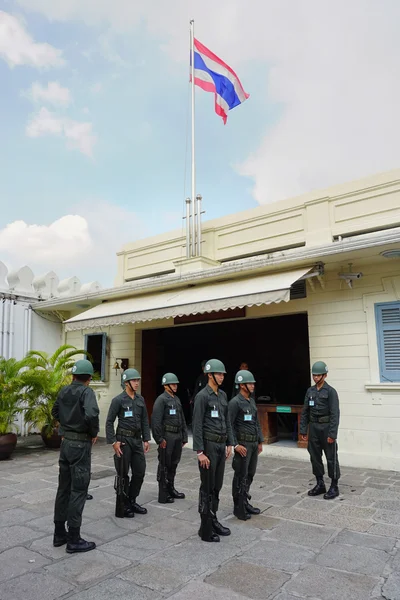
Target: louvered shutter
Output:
{"points": [[388, 331]]}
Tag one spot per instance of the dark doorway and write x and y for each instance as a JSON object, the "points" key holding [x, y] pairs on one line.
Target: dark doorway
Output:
{"points": [[275, 348]]}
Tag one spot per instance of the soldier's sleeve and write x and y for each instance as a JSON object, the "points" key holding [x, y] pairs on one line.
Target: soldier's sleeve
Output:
{"points": [[305, 416], [233, 409], [334, 413], [230, 441], [111, 416], [91, 409], [145, 424], [157, 420], [199, 411]]}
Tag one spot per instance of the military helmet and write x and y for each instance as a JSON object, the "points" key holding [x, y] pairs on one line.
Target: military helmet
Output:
{"points": [[130, 374], [169, 378], [319, 368], [82, 367], [214, 366], [244, 377]]}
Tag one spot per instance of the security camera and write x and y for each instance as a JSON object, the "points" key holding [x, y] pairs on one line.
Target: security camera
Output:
{"points": [[350, 275]]}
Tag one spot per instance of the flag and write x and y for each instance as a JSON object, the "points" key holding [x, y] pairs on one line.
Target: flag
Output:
{"points": [[213, 75]]}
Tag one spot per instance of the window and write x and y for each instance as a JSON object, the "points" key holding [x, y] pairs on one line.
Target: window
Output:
{"points": [[388, 331], [96, 346]]}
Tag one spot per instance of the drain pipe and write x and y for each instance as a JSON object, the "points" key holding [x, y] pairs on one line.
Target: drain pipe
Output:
{"points": [[11, 330], [29, 328], [1, 322], [6, 324]]}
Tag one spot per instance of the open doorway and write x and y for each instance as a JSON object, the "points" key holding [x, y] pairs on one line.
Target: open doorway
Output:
{"points": [[276, 350]]}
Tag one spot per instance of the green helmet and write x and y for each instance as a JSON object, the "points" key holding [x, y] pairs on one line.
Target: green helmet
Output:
{"points": [[214, 366], [82, 367], [244, 377], [169, 378], [130, 374], [319, 368]]}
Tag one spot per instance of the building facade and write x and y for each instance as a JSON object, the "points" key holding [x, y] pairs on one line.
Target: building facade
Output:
{"points": [[312, 278]]}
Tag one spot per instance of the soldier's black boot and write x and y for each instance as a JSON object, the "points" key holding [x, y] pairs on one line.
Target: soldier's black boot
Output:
{"points": [[252, 510], [136, 508], [204, 533], [76, 544], [333, 491], [164, 497], [319, 488], [219, 528], [60, 534], [174, 493], [89, 497], [128, 512], [239, 513]]}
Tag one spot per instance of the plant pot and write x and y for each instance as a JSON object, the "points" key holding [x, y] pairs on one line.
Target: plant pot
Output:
{"points": [[8, 442], [52, 441]]}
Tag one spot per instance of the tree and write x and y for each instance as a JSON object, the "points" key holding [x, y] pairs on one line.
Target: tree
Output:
{"points": [[12, 384]]}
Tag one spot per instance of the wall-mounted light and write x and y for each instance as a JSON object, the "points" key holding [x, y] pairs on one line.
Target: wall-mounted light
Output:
{"points": [[395, 253]]}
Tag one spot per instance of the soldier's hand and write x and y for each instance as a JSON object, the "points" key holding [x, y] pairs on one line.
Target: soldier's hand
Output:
{"points": [[117, 448], [146, 447], [163, 444], [241, 450], [94, 440], [331, 440], [228, 452], [260, 448], [204, 461], [304, 438]]}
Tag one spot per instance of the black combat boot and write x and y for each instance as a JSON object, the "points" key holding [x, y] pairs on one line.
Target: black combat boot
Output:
{"points": [[60, 534], [240, 513], [128, 512], [218, 528], [333, 491], [252, 510], [319, 488], [174, 493], [89, 497], [76, 543], [204, 532], [136, 508]]}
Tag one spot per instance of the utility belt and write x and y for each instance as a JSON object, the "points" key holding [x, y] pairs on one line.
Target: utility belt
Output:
{"points": [[246, 437], [325, 419], [213, 437], [172, 429], [134, 433], [77, 437]]}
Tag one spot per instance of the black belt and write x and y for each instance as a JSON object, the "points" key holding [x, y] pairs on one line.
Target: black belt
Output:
{"points": [[246, 437], [77, 437], [324, 419], [135, 433], [211, 437], [172, 429]]}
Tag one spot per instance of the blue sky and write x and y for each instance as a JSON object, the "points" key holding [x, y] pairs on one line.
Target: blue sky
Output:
{"points": [[93, 155]]}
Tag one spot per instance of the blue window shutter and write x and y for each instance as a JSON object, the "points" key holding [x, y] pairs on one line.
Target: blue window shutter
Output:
{"points": [[388, 331], [103, 356]]}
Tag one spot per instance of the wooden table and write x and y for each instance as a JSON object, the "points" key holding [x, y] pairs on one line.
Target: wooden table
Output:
{"points": [[268, 417]]}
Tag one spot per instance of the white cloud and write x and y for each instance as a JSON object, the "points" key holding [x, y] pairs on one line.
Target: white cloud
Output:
{"points": [[78, 136], [331, 70], [96, 88], [53, 94], [18, 48]]}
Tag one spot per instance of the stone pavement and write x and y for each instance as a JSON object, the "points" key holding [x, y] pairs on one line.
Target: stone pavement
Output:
{"points": [[298, 547]]}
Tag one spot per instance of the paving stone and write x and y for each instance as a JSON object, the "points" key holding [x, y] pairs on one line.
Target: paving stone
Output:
{"points": [[197, 590], [45, 547], [396, 562], [393, 505], [95, 509], [35, 586], [382, 494], [285, 596], [353, 511], [250, 580], [17, 535], [87, 567], [135, 546], [19, 560], [337, 521], [7, 492], [311, 536], [365, 540], [321, 582], [317, 504], [353, 500], [15, 516], [289, 490], [39, 496], [391, 588], [387, 516], [161, 580], [168, 530], [280, 500], [282, 556], [384, 529], [353, 558], [116, 588], [107, 529], [32, 486]]}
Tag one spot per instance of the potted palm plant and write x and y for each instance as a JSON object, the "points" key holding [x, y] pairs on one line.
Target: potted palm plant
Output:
{"points": [[46, 376], [12, 384]]}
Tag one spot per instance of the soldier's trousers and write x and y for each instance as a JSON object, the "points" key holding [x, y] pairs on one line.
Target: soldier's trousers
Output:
{"points": [[133, 458], [216, 452], [318, 443], [244, 467], [73, 481], [173, 453]]}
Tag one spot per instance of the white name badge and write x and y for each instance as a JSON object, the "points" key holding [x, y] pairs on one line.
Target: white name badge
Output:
{"points": [[172, 411], [248, 417], [214, 414], [311, 403], [128, 413]]}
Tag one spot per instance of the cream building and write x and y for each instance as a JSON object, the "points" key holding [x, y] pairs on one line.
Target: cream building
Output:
{"points": [[280, 286]]}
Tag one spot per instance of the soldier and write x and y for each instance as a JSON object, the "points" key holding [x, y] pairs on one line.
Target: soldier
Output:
{"points": [[235, 389], [212, 440], [131, 441], [321, 413], [248, 444], [77, 412], [170, 433]]}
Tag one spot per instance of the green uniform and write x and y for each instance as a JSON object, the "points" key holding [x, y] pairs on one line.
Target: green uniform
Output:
{"points": [[212, 433], [132, 430], [246, 432], [321, 414], [77, 412], [168, 423]]}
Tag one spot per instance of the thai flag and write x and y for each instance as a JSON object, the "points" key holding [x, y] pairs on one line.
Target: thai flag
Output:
{"points": [[213, 75]]}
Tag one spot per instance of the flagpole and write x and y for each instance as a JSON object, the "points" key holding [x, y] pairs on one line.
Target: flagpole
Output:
{"points": [[193, 245]]}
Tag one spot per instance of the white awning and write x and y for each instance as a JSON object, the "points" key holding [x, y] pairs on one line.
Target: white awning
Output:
{"points": [[252, 291]]}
